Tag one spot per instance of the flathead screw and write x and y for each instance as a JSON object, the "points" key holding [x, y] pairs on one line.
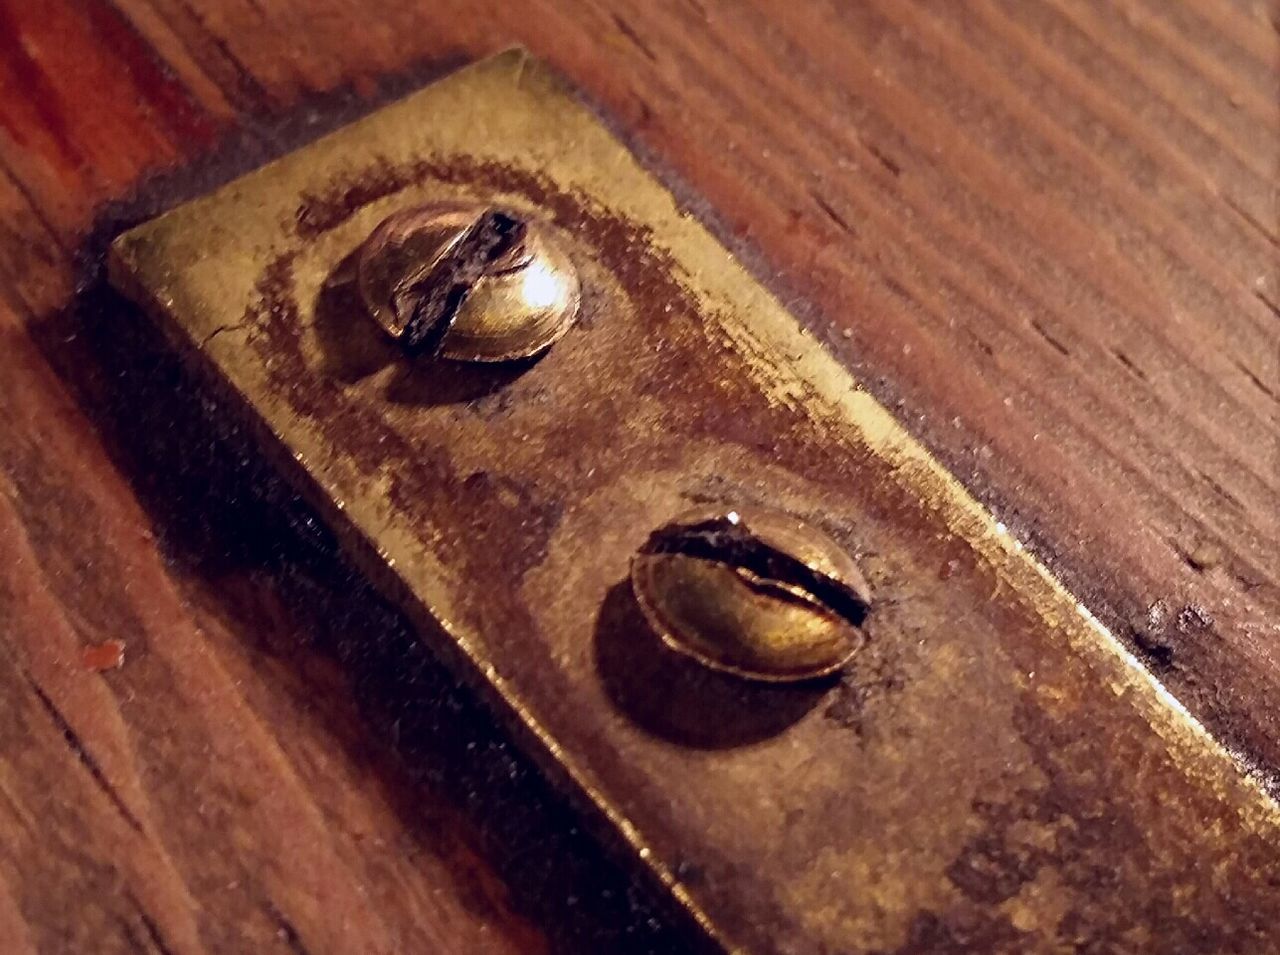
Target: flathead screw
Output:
{"points": [[753, 592], [468, 281]]}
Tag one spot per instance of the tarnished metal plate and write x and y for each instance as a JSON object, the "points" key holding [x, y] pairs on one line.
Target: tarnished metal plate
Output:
{"points": [[993, 773]]}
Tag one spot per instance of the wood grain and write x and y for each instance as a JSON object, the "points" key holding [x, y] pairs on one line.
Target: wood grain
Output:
{"points": [[1045, 233]]}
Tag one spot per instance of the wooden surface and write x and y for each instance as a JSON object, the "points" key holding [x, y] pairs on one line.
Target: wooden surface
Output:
{"points": [[1045, 233]]}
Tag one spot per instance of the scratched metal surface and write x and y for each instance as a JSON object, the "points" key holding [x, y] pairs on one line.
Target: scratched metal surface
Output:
{"points": [[993, 773]]}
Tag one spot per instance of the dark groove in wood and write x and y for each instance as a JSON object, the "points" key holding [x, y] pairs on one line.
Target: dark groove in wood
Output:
{"points": [[82, 754], [630, 33], [829, 211], [288, 931], [1257, 382], [1057, 345], [154, 935], [28, 197], [1129, 365], [892, 165], [1221, 491], [247, 92], [1272, 307], [1251, 220]]}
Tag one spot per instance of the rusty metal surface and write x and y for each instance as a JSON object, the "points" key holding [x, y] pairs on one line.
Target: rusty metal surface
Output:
{"points": [[992, 773]]}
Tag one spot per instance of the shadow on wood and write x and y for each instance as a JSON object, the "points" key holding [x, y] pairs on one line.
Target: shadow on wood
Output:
{"points": [[222, 516]]}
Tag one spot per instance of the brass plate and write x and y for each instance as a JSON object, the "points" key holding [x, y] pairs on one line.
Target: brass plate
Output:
{"points": [[993, 773]]}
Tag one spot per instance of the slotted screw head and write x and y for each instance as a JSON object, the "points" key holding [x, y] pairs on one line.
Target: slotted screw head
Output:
{"points": [[753, 592], [468, 281]]}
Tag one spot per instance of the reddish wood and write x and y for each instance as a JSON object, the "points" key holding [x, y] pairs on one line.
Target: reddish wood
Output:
{"points": [[1046, 233]]}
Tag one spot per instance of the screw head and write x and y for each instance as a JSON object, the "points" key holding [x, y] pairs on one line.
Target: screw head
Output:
{"points": [[468, 281], [753, 592]]}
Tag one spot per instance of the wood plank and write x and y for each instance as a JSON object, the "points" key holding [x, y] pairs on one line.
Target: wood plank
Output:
{"points": [[1045, 232]]}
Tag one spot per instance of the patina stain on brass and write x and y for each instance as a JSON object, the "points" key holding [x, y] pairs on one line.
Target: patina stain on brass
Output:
{"points": [[992, 772], [752, 592]]}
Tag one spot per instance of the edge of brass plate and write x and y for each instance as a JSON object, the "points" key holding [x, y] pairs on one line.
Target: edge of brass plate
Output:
{"points": [[787, 363]]}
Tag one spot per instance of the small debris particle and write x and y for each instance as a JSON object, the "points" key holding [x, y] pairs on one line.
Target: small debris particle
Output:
{"points": [[1193, 617], [1157, 613], [1206, 555], [1158, 650], [1154, 637], [108, 655], [689, 873], [947, 569]]}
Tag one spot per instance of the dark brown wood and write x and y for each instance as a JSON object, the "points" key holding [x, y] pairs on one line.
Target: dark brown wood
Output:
{"points": [[1045, 232]]}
